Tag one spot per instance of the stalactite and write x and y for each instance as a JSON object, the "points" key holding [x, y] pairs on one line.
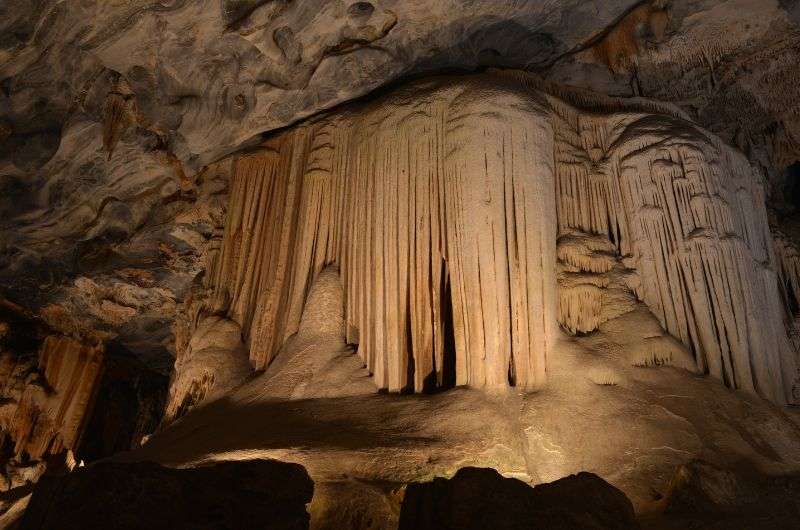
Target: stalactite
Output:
{"points": [[48, 404], [437, 204], [688, 213], [440, 216], [118, 114]]}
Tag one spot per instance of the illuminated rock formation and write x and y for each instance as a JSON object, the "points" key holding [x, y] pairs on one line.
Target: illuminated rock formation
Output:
{"points": [[438, 210], [316, 362], [46, 404], [214, 362], [440, 204], [685, 211]]}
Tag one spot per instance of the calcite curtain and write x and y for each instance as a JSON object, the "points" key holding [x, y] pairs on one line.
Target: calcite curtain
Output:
{"points": [[441, 204], [437, 205], [688, 214]]}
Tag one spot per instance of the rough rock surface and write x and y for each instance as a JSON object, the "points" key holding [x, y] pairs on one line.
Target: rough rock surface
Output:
{"points": [[475, 499], [225, 496], [631, 424], [132, 222], [112, 111], [440, 203], [706, 496], [214, 362], [47, 402]]}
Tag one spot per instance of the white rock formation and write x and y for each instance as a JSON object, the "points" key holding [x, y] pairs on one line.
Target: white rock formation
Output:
{"points": [[316, 362], [445, 197], [686, 211], [439, 211]]}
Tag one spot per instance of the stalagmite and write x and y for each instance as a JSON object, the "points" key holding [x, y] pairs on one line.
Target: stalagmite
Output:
{"points": [[213, 363]]}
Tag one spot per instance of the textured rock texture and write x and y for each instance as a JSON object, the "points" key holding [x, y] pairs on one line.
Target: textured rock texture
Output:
{"points": [[231, 495], [440, 203], [678, 206], [46, 404], [477, 498], [154, 207], [112, 111], [214, 362], [436, 231], [632, 424]]}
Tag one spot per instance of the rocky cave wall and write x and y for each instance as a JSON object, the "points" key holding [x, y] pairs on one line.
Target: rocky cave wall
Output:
{"points": [[110, 211], [65, 400], [110, 113], [49, 386]]}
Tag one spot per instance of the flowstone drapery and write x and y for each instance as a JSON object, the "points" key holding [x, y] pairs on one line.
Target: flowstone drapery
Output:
{"points": [[687, 213], [438, 207], [441, 204]]}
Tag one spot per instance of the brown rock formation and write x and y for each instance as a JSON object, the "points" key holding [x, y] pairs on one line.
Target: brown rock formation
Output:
{"points": [[683, 210], [438, 210], [214, 362], [423, 217], [46, 404]]}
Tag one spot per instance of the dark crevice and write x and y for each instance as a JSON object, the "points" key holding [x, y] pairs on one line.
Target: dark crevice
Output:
{"points": [[449, 354], [791, 187]]}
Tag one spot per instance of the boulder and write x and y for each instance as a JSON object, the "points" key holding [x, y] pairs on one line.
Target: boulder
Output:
{"points": [[231, 495], [477, 498]]}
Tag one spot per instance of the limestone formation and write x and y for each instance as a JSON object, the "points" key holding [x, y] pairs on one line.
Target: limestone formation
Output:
{"points": [[683, 210], [551, 237], [316, 363], [47, 403], [213, 363], [444, 228], [444, 238]]}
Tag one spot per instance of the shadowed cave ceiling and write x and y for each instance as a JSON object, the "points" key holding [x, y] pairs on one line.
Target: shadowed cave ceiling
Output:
{"points": [[137, 136]]}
